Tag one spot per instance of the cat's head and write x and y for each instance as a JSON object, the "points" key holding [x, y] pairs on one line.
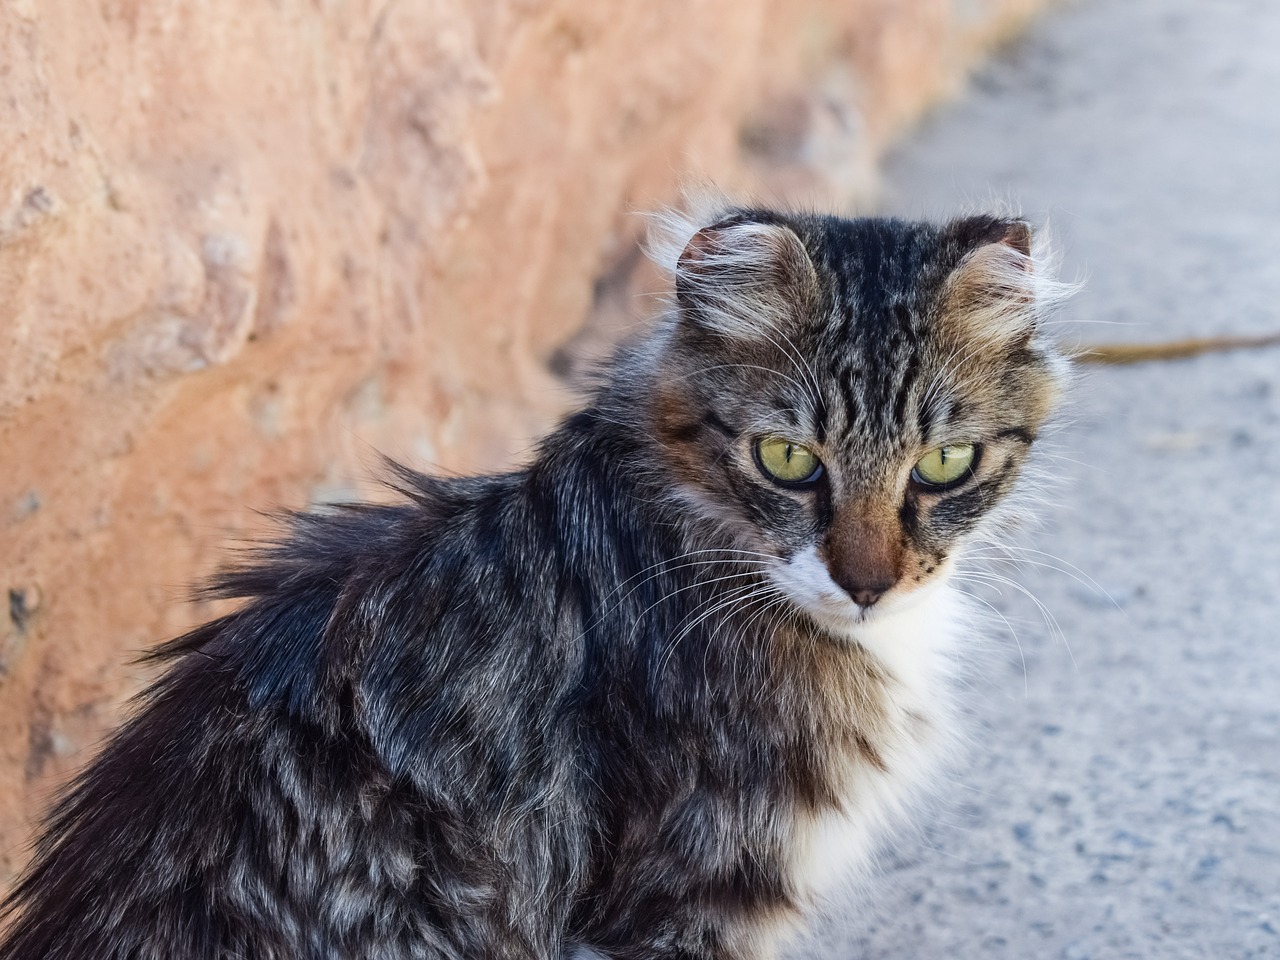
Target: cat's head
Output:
{"points": [[853, 399]]}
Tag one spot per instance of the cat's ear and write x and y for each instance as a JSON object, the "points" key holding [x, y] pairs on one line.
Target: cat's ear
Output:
{"points": [[992, 293], [742, 278]]}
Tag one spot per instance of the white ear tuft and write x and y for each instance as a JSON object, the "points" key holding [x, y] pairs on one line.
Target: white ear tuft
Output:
{"points": [[743, 276], [671, 229], [1002, 287]]}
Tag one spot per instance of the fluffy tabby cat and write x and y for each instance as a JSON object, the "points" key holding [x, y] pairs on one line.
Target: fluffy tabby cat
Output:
{"points": [[643, 698]]}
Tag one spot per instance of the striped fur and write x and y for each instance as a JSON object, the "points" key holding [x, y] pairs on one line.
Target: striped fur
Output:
{"points": [[613, 704]]}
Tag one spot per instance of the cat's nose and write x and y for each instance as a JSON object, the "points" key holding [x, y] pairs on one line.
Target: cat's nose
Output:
{"points": [[866, 593], [864, 554]]}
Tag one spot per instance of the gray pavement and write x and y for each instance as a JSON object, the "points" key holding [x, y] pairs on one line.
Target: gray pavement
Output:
{"points": [[1122, 797]]}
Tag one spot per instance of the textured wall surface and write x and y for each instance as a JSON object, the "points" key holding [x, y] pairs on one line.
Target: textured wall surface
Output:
{"points": [[245, 246]]}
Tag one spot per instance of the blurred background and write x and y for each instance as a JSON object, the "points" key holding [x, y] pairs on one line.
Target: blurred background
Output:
{"points": [[245, 248]]}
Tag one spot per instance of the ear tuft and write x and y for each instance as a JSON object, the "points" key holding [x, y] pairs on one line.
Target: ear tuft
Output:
{"points": [[998, 290], [741, 277]]}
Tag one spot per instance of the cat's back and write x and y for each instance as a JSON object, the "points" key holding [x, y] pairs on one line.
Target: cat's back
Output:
{"points": [[298, 783]]}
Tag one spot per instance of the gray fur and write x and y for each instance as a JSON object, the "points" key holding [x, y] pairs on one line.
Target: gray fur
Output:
{"points": [[578, 710]]}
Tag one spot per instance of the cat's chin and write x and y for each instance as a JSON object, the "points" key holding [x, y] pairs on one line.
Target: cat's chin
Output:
{"points": [[849, 619]]}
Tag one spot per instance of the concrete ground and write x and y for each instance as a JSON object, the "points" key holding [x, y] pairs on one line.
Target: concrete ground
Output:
{"points": [[1123, 793]]}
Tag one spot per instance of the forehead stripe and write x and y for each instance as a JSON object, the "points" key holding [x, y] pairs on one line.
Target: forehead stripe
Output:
{"points": [[845, 382], [910, 374]]}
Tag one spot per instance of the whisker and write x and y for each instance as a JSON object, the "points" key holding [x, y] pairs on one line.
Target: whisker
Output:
{"points": [[1067, 569], [1026, 683], [1052, 621], [751, 591]]}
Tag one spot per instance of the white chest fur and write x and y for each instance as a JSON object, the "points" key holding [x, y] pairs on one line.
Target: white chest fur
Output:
{"points": [[914, 647]]}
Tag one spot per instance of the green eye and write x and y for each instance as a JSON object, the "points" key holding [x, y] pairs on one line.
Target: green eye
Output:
{"points": [[946, 465], [786, 461]]}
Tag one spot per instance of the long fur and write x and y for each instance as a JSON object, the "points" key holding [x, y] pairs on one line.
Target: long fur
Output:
{"points": [[615, 704]]}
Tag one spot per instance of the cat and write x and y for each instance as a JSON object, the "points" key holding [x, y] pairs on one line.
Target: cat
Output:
{"points": [[649, 696]]}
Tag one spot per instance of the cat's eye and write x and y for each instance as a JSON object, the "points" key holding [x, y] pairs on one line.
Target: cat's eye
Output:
{"points": [[787, 462], [945, 466]]}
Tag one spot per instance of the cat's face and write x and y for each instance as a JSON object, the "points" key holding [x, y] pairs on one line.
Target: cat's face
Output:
{"points": [[852, 399]]}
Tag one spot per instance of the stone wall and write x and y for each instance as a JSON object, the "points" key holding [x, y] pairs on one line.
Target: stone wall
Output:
{"points": [[247, 246]]}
